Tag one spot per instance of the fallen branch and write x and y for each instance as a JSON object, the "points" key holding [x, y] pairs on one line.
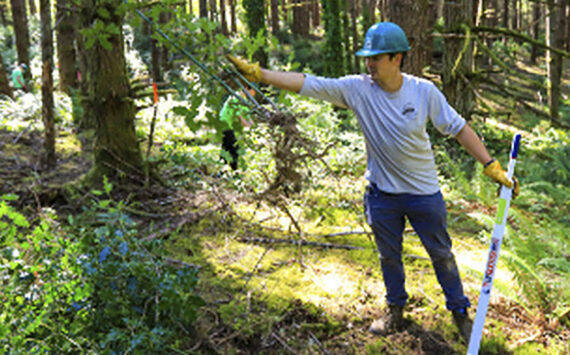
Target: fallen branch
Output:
{"points": [[297, 242], [340, 234]]}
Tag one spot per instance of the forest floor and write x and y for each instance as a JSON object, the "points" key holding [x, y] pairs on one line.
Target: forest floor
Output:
{"points": [[269, 290]]}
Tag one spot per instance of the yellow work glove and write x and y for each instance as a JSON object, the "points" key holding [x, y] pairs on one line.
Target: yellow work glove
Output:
{"points": [[496, 173], [251, 72]]}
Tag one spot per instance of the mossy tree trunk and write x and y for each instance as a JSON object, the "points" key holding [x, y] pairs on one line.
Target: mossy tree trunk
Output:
{"points": [[556, 39], [413, 17], [47, 83], [333, 51], [5, 88], [458, 57], [66, 47], [116, 150]]}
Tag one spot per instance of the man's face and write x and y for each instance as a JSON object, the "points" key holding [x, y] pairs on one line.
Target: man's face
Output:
{"points": [[381, 67]]}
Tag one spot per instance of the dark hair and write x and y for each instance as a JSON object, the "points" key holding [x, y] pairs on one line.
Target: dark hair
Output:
{"points": [[392, 55]]}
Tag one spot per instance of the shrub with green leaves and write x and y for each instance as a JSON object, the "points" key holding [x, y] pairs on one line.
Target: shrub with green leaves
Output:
{"points": [[74, 288]]}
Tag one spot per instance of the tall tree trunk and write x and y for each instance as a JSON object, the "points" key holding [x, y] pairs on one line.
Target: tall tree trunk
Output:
{"points": [[492, 20], [224, 21], [117, 152], [365, 12], [285, 12], [65, 46], [315, 14], [5, 88], [514, 15], [301, 17], [455, 78], [555, 38], [275, 17], [372, 10], [355, 34], [163, 19], [535, 27], [346, 37], [505, 17], [203, 8], [213, 11], [47, 83], [22, 35], [32, 5], [412, 16], [332, 53]]}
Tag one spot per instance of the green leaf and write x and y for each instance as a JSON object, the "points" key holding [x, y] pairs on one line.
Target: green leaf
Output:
{"points": [[104, 41], [104, 13], [90, 42], [9, 197], [112, 28]]}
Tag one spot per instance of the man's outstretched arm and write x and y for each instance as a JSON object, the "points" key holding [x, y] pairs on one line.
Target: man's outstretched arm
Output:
{"points": [[290, 81]]}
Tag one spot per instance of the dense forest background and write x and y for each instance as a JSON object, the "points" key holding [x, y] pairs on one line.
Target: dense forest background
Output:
{"points": [[122, 229]]}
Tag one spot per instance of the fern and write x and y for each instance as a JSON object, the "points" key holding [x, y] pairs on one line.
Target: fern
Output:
{"points": [[532, 284]]}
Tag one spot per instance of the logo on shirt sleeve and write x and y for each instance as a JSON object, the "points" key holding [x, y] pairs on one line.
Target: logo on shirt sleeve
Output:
{"points": [[409, 111]]}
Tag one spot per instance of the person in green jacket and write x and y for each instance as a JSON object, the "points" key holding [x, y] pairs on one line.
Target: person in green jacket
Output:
{"points": [[18, 80], [234, 117]]}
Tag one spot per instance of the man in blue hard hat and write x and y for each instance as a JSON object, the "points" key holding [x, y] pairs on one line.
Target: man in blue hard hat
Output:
{"points": [[393, 109], [18, 80]]}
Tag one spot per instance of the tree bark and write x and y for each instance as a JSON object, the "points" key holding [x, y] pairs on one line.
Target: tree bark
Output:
{"points": [[301, 12], [213, 11], [21, 32], [32, 5], [412, 16], [333, 56], [346, 38], [355, 34], [505, 17], [5, 88], [555, 38], [47, 83], [275, 17], [223, 17], [315, 14], [458, 60], [65, 46], [116, 151], [203, 8]]}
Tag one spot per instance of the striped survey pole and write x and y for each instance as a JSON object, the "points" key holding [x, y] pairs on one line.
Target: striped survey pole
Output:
{"points": [[495, 247]]}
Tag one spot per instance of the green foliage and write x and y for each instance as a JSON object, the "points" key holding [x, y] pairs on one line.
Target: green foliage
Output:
{"points": [[333, 46], [74, 289], [255, 19], [100, 32]]}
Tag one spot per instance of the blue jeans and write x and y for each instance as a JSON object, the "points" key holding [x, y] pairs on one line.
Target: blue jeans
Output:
{"points": [[428, 216]]}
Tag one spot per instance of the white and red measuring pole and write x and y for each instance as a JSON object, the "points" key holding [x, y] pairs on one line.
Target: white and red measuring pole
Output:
{"points": [[494, 248]]}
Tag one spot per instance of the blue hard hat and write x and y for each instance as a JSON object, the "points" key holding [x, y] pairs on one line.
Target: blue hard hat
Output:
{"points": [[384, 37]]}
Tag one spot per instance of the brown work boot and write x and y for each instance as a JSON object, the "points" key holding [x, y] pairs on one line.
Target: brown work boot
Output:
{"points": [[463, 323], [390, 322]]}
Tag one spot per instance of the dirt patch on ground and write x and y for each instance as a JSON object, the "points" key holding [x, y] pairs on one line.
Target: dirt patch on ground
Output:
{"points": [[22, 171]]}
